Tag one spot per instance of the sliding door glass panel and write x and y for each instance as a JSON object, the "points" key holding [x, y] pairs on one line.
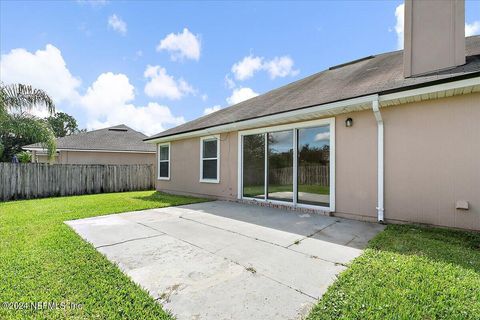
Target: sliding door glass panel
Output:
{"points": [[280, 166], [313, 173], [254, 166]]}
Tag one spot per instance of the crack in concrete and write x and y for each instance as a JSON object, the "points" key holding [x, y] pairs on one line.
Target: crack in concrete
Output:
{"points": [[129, 240], [234, 232], [309, 236], [168, 234], [350, 241]]}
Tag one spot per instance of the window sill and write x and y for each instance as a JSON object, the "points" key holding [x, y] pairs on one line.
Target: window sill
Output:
{"points": [[163, 179], [209, 181]]}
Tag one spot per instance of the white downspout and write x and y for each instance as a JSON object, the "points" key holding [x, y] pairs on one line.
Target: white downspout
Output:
{"points": [[380, 158]]}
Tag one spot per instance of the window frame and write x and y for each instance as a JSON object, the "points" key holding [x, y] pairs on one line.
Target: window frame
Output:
{"points": [[159, 161], [291, 126], [202, 139]]}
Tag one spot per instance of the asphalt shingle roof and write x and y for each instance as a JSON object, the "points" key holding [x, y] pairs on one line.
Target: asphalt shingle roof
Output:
{"points": [[116, 138], [380, 74]]}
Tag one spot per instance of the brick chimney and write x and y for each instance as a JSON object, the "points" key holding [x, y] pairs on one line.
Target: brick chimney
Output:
{"points": [[434, 35]]}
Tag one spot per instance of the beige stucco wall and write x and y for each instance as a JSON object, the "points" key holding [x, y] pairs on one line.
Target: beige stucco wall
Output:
{"points": [[42, 158], [432, 159], [185, 169], [356, 166], [85, 157]]}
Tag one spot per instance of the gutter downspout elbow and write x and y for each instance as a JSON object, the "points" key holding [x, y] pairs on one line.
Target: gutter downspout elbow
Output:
{"points": [[380, 161]]}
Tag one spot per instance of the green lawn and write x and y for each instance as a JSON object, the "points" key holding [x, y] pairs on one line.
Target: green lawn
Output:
{"points": [[252, 191], [409, 272], [43, 260]]}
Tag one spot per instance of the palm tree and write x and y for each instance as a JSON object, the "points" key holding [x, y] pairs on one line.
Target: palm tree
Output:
{"points": [[17, 125], [21, 97]]}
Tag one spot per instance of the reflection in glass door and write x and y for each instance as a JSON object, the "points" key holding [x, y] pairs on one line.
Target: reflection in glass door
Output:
{"points": [[313, 166], [254, 166], [280, 166]]}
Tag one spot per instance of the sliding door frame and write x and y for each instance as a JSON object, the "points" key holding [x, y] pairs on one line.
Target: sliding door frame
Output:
{"points": [[291, 126]]}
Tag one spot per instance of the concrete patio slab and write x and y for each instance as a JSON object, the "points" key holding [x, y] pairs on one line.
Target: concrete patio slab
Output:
{"points": [[251, 230], [195, 284], [349, 233], [309, 275], [108, 230], [223, 260]]}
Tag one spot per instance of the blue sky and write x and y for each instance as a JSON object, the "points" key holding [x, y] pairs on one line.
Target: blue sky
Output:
{"points": [[153, 65]]}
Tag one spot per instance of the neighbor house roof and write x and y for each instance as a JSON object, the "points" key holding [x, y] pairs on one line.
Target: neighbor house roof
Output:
{"points": [[116, 138], [379, 74]]}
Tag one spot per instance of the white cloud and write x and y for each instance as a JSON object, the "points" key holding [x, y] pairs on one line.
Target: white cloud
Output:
{"points": [[181, 45], [162, 85], [472, 29], [41, 112], [399, 16], [322, 136], [245, 68], [150, 119], [241, 94], [212, 109], [229, 83], [117, 24], [280, 67], [107, 101], [107, 93], [44, 69], [249, 65], [204, 97]]}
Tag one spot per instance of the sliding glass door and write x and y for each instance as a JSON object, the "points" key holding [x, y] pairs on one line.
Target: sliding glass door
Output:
{"points": [[313, 166], [280, 166], [290, 163], [254, 166]]}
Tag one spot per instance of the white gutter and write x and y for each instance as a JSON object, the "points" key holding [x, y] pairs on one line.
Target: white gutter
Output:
{"points": [[380, 158]]}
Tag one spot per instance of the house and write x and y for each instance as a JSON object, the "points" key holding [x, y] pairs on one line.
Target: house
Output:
{"points": [[114, 145], [390, 137]]}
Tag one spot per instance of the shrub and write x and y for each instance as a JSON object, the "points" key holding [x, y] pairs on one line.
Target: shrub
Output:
{"points": [[24, 157]]}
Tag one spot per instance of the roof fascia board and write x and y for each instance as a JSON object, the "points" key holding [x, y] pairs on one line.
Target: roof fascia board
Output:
{"points": [[270, 119]]}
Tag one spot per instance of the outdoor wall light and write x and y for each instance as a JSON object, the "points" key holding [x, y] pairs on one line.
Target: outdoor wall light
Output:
{"points": [[349, 122]]}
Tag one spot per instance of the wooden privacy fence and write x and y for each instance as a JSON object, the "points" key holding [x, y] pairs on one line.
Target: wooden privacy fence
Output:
{"points": [[32, 180], [312, 174]]}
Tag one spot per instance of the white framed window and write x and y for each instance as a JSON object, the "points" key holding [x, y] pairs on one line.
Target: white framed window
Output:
{"points": [[163, 154], [210, 159]]}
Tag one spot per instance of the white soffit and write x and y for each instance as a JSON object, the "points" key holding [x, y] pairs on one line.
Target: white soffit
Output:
{"points": [[443, 90]]}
